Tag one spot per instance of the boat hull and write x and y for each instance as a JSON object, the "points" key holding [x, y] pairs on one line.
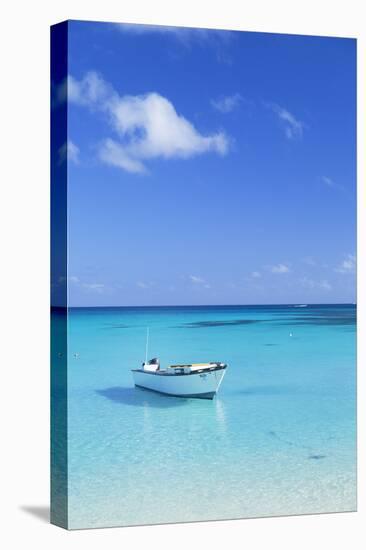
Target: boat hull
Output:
{"points": [[202, 385]]}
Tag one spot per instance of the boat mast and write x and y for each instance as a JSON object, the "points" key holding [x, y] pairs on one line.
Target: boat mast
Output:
{"points": [[147, 343]]}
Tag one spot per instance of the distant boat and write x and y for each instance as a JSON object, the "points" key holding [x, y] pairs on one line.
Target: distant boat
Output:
{"points": [[302, 305], [200, 380]]}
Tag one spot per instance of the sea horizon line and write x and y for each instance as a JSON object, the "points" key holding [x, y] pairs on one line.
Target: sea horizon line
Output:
{"points": [[294, 304]]}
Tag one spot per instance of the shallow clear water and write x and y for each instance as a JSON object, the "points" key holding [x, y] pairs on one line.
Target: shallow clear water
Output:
{"points": [[278, 439]]}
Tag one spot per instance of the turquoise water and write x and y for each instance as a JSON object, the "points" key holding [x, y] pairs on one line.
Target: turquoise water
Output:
{"points": [[278, 439]]}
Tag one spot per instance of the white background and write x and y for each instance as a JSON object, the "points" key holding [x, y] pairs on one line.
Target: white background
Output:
{"points": [[24, 219]]}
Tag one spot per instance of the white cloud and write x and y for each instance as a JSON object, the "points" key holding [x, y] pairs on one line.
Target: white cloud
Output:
{"points": [[325, 285], [256, 274], [309, 260], [113, 153], [76, 282], [89, 91], [292, 126], [312, 284], [280, 268], [185, 35], [58, 93], [199, 281], [348, 265], [196, 280], [328, 181], [227, 104], [143, 284], [94, 287], [68, 152], [70, 279], [148, 126], [137, 28], [153, 29]]}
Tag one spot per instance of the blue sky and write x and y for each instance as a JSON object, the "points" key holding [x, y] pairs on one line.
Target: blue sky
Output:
{"points": [[209, 167]]}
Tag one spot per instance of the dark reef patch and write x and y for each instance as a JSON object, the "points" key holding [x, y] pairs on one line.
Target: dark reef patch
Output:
{"points": [[320, 320], [116, 326], [233, 322]]}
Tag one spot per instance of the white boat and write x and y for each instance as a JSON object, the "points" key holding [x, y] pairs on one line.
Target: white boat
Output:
{"points": [[195, 380], [200, 380]]}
